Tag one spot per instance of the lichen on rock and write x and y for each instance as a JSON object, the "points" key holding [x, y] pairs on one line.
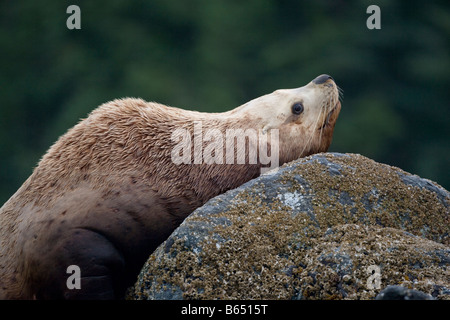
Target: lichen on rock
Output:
{"points": [[310, 230]]}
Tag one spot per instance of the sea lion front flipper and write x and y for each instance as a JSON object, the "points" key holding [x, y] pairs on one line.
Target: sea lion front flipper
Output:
{"points": [[99, 263]]}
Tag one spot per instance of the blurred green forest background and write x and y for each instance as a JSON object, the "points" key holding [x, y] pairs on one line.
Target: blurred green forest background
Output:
{"points": [[214, 55]]}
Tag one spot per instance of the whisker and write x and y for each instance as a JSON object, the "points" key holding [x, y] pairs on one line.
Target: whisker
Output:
{"points": [[341, 93], [320, 137], [322, 112], [309, 143]]}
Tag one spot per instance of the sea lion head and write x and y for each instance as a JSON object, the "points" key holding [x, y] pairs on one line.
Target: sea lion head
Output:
{"points": [[305, 116]]}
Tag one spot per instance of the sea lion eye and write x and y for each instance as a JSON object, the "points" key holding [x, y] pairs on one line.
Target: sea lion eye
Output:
{"points": [[297, 108]]}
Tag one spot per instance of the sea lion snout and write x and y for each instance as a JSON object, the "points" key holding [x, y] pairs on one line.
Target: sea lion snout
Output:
{"points": [[322, 79]]}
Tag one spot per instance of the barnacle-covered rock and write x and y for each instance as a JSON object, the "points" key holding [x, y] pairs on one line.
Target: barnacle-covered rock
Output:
{"points": [[328, 226]]}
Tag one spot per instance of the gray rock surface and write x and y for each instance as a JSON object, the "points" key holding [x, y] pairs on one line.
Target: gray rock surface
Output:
{"points": [[328, 226], [401, 293]]}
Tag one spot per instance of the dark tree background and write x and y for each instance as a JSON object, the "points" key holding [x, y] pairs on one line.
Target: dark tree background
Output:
{"points": [[213, 55]]}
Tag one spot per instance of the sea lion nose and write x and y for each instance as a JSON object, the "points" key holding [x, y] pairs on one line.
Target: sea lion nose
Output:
{"points": [[322, 79]]}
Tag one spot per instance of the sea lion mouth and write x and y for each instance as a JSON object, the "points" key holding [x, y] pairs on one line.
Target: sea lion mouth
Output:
{"points": [[327, 119]]}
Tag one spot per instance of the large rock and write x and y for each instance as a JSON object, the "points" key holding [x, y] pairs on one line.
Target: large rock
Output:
{"points": [[329, 226]]}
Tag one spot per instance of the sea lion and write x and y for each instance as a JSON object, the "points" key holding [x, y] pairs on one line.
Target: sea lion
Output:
{"points": [[108, 192]]}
